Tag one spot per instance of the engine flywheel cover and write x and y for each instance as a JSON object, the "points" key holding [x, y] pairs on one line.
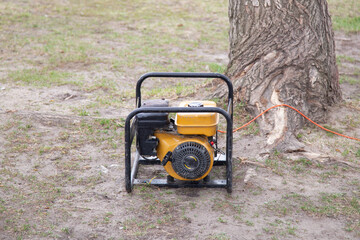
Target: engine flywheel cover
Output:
{"points": [[190, 160]]}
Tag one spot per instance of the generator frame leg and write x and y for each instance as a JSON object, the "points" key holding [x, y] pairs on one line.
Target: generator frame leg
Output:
{"points": [[131, 171], [174, 183]]}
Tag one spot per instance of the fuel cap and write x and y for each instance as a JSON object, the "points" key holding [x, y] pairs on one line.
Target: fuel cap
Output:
{"points": [[195, 104]]}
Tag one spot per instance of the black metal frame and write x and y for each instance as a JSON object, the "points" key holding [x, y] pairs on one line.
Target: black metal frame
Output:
{"points": [[130, 129]]}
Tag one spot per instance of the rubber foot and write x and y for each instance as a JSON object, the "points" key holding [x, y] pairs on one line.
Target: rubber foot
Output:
{"points": [[207, 179], [170, 179]]}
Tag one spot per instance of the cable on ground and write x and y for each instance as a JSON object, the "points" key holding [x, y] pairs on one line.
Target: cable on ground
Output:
{"points": [[285, 105]]}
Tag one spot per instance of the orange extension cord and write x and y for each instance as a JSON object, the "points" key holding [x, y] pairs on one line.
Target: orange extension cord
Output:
{"points": [[285, 105]]}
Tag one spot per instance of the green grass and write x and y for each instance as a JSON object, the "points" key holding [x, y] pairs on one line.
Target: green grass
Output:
{"points": [[301, 165], [17, 220], [350, 80], [358, 153], [280, 229], [333, 205], [178, 90], [133, 35], [217, 68], [341, 58], [42, 78], [83, 113], [347, 24], [219, 236], [345, 15], [329, 134]]}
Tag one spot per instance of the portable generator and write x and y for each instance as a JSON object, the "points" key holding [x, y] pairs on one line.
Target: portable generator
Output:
{"points": [[187, 146]]}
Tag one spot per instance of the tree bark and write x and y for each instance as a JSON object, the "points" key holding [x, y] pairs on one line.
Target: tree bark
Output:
{"points": [[283, 51]]}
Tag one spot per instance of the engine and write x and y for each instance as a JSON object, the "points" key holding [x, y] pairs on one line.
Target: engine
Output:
{"points": [[184, 145]]}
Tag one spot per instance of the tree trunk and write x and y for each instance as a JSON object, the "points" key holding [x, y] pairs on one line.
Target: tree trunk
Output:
{"points": [[283, 52]]}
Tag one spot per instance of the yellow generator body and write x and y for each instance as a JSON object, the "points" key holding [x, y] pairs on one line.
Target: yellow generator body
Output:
{"points": [[170, 141], [187, 153], [197, 123]]}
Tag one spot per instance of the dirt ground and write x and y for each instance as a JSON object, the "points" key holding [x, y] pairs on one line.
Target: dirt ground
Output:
{"points": [[62, 111]]}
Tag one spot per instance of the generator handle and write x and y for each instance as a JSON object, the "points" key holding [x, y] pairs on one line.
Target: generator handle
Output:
{"points": [[187, 75], [128, 138]]}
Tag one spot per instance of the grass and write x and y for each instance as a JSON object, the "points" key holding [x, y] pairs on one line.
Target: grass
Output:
{"points": [[301, 165], [347, 24], [329, 134], [157, 42], [352, 73], [149, 25], [217, 68], [159, 212], [333, 205], [42, 78], [350, 80], [341, 58], [280, 228], [56, 43], [219, 236], [345, 15], [83, 112], [351, 120], [178, 90], [33, 194]]}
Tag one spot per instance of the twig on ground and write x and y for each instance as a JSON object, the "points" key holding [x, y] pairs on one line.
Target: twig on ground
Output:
{"points": [[243, 161]]}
